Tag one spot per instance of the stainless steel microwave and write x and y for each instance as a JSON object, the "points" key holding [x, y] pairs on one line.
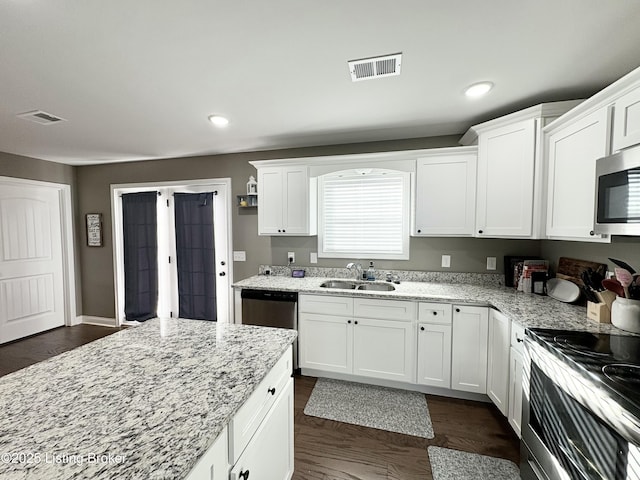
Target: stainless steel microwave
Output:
{"points": [[618, 193]]}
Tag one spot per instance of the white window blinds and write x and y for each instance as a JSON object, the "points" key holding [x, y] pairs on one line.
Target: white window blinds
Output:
{"points": [[364, 215]]}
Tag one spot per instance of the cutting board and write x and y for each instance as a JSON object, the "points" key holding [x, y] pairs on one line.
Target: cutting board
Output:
{"points": [[571, 269]]}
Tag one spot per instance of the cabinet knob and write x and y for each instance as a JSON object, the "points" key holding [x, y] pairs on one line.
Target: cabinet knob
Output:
{"points": [[283, 230], [435, 313], [422, 328], [244, 475], [279, 230], [519, 340], [348, 321], [592, 233], [458, 310], [272, 391], [222, 274], [419, 231], [223, 263], [356, 322], [480, 231]]}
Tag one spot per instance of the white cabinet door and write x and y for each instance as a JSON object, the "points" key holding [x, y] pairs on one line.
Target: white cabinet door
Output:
{"points": [[269, 455], [515, 391], [572, 153], [445, 195], [434, 355], [213, 464], [270, 201], [325, 342], [384, 349], [626, 121], [498, 360], [469, 349], [506, 159], [286, 201]]}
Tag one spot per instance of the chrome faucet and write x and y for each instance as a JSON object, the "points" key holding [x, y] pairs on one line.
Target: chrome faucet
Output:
{"points": [[358, 269]]}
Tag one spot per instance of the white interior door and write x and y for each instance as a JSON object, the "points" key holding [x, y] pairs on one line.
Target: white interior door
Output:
{"points": [[32, 295]]}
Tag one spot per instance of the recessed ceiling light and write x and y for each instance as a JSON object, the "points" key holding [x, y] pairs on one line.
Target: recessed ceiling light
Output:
{"points": [[478, 89], [218, 120]]}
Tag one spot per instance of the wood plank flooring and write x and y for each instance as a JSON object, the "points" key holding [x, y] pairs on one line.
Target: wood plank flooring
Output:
{"points": [[325, 449], [329, 450]]}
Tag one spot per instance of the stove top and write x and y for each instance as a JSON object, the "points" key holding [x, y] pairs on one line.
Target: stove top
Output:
{"points": [[609, 360]]}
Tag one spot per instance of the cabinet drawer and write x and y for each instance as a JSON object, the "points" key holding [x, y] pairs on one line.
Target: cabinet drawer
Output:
{"points": [[248, 418], [384, 309], [517, 337], [325, 305], [439, 313]]}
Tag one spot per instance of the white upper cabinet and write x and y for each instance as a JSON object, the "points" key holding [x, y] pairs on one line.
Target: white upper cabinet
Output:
{"points": [[626, 120], [510, 187], [505, 180], [287, 201], [572, 150], [445, 190]]}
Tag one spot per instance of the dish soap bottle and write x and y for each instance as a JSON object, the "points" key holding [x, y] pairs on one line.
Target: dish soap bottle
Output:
{"points": [[371, 272]]}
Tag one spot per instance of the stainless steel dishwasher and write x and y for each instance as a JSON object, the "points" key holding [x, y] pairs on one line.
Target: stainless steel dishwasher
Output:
{"points": [[269, 308]]}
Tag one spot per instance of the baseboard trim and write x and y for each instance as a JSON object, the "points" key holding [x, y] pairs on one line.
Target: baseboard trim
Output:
{"points": [[100, 321]]}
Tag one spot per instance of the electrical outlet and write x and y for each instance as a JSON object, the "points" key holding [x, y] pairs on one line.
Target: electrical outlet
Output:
{"points": [[291, 256], [313, 257], [446, 261], [239, 256], [491, 263]]}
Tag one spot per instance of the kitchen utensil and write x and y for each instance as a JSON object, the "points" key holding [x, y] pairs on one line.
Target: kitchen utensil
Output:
{"points": [[562, 290], [614, 286], [589, 294], [622, 264], [625, 279]]}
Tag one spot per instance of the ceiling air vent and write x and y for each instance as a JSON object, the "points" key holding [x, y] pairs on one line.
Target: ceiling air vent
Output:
{"points": [[43, 118], [375, 67]]}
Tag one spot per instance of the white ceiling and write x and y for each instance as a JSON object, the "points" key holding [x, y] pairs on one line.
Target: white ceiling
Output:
{"points": [[137, 79]]}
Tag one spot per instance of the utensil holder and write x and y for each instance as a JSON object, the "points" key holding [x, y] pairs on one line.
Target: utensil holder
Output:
{"points": [[598, 312], [625, 314]]}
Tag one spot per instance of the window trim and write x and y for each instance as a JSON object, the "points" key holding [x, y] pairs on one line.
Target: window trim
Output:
{"points": [[406, 216]]}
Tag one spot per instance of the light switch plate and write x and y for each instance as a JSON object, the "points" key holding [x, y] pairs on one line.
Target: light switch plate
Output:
{"points": [[446, 261], [240, 256], [491, 263], [313, 257]]}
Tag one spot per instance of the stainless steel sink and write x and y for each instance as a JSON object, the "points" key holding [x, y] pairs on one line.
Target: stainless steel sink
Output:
{"points": [[339, 284], [380, 287]]}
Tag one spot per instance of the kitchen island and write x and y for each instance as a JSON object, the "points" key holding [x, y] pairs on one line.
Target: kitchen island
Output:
{"points": [[143, 403]]}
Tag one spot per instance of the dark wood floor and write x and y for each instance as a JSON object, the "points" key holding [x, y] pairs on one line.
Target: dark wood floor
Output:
{"points": [[329, 450], [22, 353], [325, 449]]}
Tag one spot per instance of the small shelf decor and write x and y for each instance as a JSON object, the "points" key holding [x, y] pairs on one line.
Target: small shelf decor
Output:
{"points": [[247, 201], [94, 229], [252, 186]]}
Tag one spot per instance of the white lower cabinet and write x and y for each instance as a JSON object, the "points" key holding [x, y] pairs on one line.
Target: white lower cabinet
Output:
{"points": [[269, 455], [434, 345], [325, 342], [469, 349], [213, 465], [498, 360], [383, 349], [516, 366], [377, 341]]}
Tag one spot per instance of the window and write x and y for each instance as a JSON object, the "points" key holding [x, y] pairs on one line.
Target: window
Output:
{"points": [[364, 214]]}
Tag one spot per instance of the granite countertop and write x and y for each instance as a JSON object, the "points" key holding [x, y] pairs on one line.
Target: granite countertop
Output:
{"points": [[142, 403], [527, 310]]}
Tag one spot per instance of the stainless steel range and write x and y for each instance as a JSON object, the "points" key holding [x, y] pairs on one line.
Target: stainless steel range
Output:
{"points": [[581, 411]]}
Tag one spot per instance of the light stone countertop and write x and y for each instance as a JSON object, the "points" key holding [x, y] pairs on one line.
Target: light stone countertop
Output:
{"points": [[528, 310], [157, 395]]}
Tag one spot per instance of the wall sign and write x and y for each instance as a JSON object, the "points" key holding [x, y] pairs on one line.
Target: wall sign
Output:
{"points": [[94, 229]]}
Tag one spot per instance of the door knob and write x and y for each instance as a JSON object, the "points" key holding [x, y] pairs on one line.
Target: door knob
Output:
{"points": [[222, 274]]}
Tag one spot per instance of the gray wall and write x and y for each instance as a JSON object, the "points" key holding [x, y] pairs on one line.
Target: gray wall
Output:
{"points": [[622, 248]]}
